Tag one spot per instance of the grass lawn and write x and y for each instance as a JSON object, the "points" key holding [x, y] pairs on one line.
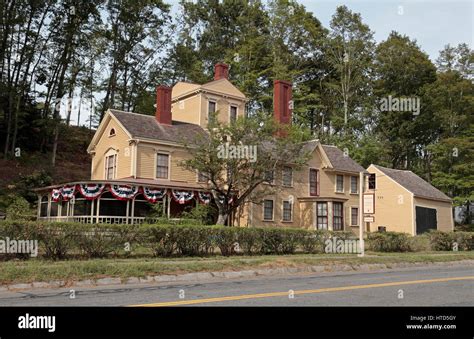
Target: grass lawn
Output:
{"points": [[70, 270]]}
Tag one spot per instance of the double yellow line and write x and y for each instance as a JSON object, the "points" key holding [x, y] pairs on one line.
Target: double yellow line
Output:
{"points": [[286, 293]]}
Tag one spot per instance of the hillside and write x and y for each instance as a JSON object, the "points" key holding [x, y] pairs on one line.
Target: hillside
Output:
{"points": [[33, 169]]}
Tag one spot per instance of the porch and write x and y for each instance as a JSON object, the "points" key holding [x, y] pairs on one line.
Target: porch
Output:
{"points": [[116, 202]]}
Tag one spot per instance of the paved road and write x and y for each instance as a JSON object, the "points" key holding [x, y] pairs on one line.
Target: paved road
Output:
{"points": [[426, 286]]}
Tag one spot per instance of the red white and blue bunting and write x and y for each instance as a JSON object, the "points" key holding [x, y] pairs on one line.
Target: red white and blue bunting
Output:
{"points": [[204, 197], [222, 198], [154, 194], [68, 191], [91, 191], [55, 194], [182, 196], [123, 192]]}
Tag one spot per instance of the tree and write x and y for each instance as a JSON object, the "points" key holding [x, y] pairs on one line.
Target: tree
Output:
{"points": [[402, 70], [236, 159], [349, 51]]}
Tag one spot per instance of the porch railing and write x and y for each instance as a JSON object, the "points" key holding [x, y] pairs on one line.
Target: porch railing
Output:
{"points": [[99, 219]]}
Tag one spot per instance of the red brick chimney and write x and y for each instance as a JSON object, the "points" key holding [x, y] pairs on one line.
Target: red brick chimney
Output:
{"points": [[221, 70], [163, 105], [282, 101]]}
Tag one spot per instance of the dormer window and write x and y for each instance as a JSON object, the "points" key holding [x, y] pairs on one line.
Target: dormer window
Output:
{"points": [[112, 132]]}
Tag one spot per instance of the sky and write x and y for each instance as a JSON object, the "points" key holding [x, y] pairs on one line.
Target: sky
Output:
{"points": [[432, 23]]}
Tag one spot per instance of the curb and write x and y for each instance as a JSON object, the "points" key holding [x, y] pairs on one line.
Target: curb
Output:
{"points": [[201, 276]]}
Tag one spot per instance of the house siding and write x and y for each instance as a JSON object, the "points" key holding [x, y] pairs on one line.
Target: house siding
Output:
{"points": [[443, 212], [393, 205], [120, 143]]}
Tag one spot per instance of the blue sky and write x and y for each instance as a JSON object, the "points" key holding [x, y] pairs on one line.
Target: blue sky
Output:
{"points": [[433, 23]]}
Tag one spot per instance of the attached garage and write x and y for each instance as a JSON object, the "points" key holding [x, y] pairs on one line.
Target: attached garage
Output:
{"points": [[406, 203]]}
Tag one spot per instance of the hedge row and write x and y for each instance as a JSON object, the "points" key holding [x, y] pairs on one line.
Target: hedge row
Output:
{"points": [[60, 240], [434, 241]]}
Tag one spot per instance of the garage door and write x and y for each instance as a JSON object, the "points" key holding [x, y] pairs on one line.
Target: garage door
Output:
{"points": [[425, 219]]}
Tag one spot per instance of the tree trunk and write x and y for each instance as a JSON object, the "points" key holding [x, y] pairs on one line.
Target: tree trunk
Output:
{"points": [[222, 218]]}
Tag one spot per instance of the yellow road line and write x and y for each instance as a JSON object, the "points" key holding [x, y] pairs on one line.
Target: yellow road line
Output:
{"points": [[282, 294]]}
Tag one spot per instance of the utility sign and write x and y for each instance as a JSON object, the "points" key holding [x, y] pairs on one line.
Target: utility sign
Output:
{"points": [[369, 203]]}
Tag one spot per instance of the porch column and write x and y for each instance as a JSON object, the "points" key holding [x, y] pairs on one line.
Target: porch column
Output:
{"points": [[126, 212], [48, 214], [133, 210], [97, 212], [169, 207], [38, 214]]}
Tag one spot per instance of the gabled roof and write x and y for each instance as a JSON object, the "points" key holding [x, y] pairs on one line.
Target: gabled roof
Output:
{"points": [[340, 161], [333, 156], [413, 183], [147, 127], [220, 87]]}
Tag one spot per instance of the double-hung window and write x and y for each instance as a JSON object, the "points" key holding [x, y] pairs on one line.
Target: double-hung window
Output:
{"points": [[162, 166]]}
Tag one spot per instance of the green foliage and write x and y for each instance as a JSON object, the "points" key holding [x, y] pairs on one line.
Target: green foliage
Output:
{"points": [[441, 241], [19, 209], [388, 242], [201, 214]]}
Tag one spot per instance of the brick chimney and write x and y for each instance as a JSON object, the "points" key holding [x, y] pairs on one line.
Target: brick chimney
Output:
{"points": [[282, 101], [221, 70], [163, 105]]}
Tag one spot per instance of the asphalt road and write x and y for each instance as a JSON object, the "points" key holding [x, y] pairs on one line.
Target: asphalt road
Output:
{"points": [[420, 286]]}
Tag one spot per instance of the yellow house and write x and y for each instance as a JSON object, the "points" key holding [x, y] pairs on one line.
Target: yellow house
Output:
{"points": [[404, 202], [136, 163]]}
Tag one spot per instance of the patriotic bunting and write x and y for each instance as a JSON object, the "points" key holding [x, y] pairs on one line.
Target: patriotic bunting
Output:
{"points": [[153, 194], [182, 196], [123, 192], [222, 198], [67, 191], [56, 194], [91, 191], [204, 197]]}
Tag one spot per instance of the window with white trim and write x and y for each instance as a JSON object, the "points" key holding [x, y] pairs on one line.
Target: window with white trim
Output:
{"points": [[287, 210], [354, 216], [354, 184], [110, 166], [162, 166], [268, 210], [322, 215], [339, 183], [337, 216]]}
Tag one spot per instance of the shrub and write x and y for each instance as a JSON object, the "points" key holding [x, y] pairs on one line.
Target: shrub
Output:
{"points": [[17, 230], [19, 210], [440, 241], [465, 240], [388, 242], [225, 238], [99, 240], [313, 241], [250, 239], [161, 239], [419, 243], [58, 239]]}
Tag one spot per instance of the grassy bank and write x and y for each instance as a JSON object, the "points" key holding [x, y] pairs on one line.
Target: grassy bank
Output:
{"points": [[72, 270]]}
